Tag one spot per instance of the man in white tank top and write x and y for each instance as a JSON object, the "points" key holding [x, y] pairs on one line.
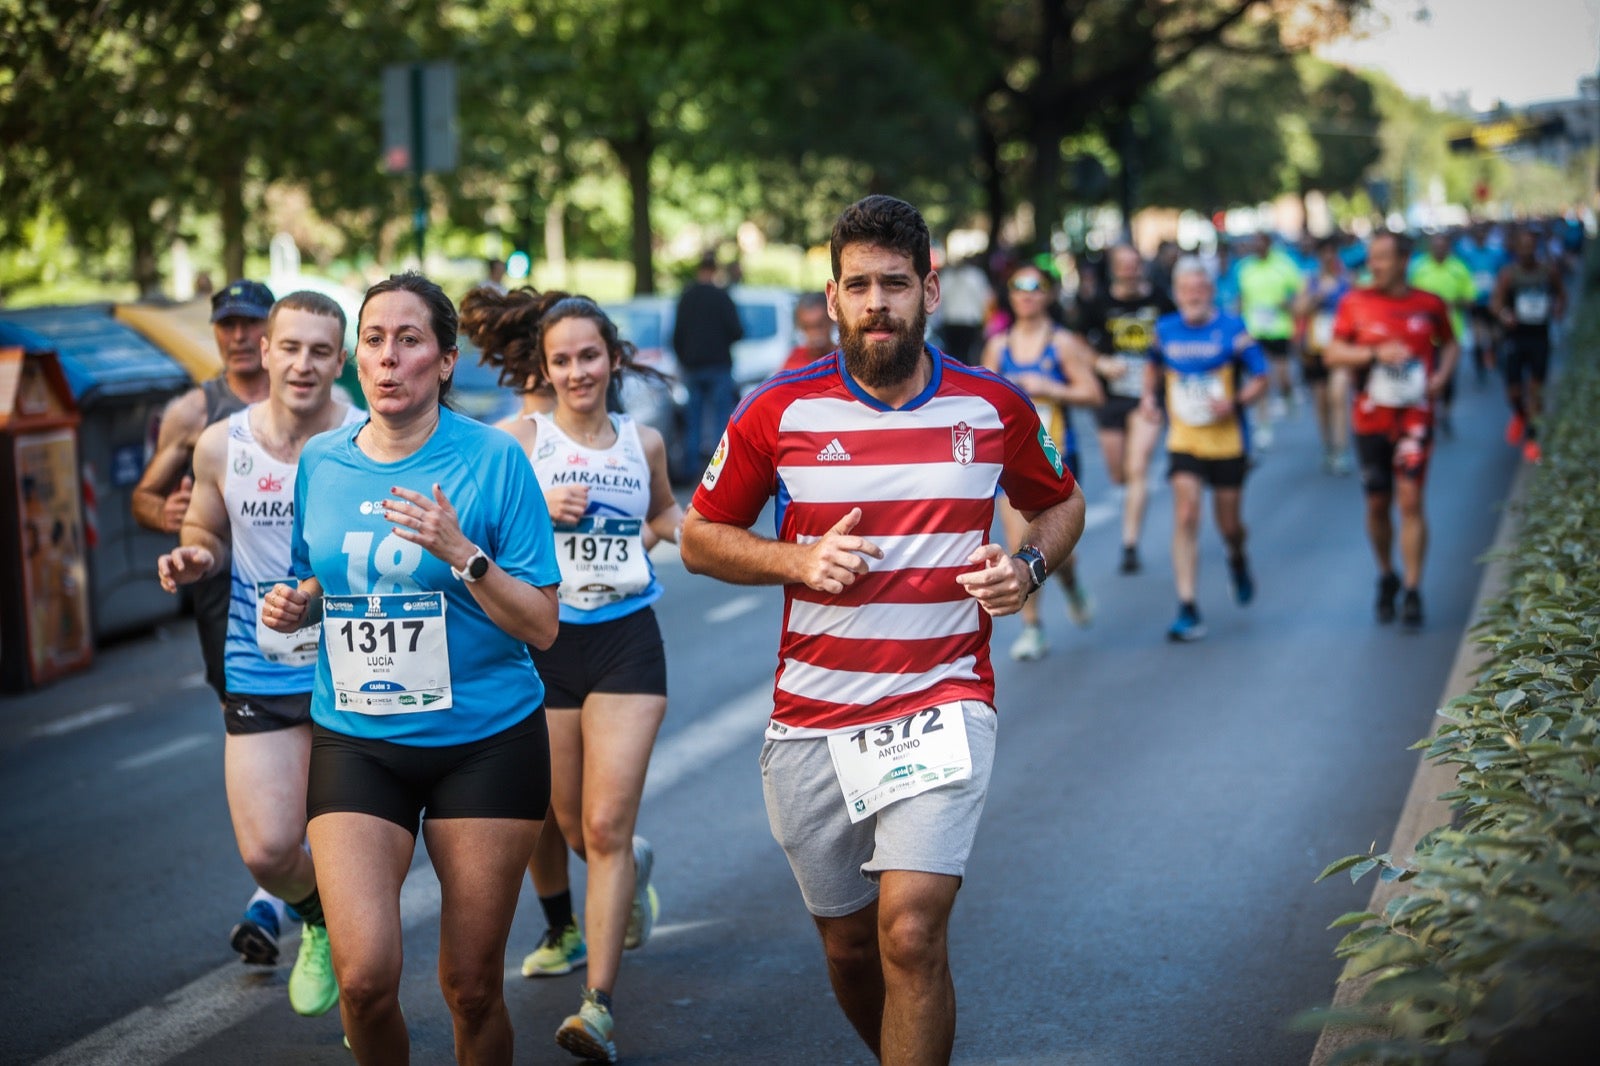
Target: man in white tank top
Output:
{"points": [[239, 521]]}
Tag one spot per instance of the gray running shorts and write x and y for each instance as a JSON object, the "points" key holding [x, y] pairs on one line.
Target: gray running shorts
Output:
{"points": [[835, 861]]}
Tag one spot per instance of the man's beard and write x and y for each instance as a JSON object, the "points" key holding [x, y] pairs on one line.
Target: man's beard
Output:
{"points": [[879, 366]]}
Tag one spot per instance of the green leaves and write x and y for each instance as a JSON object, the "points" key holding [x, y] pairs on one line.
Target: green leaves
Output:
{"points": [[1500, 926]]}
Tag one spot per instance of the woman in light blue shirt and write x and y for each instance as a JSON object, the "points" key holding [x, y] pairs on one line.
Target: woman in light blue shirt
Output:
{"points": [[423, 538]]}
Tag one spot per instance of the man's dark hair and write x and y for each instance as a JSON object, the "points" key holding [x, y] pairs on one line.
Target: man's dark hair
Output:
{"points": [[887, 223]]}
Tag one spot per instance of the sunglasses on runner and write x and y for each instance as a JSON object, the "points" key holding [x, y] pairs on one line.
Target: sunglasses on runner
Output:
{"points": [[1026, 285]]}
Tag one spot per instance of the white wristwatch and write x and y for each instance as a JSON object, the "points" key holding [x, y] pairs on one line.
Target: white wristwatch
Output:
{"points": [[477, 566]]}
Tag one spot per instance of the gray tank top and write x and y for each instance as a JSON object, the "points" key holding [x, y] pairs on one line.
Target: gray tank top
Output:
{"points": [[220, 399]]}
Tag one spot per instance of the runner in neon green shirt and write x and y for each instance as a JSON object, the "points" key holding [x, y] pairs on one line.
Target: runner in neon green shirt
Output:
{"points": [[1443, 273], [1268, 283]]}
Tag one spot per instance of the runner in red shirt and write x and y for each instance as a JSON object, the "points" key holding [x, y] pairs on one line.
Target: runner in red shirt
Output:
{"points": [[1399, 343], [885, 461]]}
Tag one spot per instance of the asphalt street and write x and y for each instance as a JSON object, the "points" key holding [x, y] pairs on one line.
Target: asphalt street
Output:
{"points": [[1141, 889]]}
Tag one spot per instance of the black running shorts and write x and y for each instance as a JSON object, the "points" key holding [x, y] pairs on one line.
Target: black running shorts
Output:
{"points": [[624, 656], [506, 775], [1215, 473], [1113, 414], [1275, 347], [1527, 358], [1383, 456], [243, 713]]}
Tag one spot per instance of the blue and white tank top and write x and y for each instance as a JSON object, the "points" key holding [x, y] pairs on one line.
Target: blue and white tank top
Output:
{"points": [[1054, 416], [258, 491], [605, 572]]}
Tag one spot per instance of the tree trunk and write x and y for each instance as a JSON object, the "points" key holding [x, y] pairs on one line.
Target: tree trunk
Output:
{"points": [[146, 266], [994, 187], [1047, 198], [230, 206], [634, 154], [1128, 158]]}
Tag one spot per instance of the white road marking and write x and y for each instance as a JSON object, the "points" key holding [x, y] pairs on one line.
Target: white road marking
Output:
{"points": [[213, 1002], [171, 749], [1098, 514], [737, 723], [739, 605], [93, 716]]}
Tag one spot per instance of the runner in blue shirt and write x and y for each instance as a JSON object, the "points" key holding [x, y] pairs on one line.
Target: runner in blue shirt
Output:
{"points": [[427, 547], [1209, 369], [1484, 258]]}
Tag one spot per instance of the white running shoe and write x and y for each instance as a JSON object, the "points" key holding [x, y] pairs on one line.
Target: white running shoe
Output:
{"points": [[646, 905], [1030, 646]]}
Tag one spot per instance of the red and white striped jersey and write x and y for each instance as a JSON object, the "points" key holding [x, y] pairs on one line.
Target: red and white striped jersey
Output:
{"points": [[905, 636]]}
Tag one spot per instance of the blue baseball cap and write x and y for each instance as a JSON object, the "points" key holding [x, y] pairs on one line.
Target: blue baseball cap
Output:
{"points": [[242, 299]]}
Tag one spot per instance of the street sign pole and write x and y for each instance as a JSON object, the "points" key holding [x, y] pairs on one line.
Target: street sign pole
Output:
{"points": [[419, 131], [419, 192]]}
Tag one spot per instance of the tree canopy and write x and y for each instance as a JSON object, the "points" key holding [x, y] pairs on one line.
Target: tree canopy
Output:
{"points": [[130, 120]]}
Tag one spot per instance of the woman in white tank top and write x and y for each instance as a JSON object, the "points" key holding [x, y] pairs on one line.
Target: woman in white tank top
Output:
{"points": [[606, 485]]}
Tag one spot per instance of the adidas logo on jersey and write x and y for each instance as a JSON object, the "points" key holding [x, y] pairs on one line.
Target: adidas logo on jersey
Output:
{"points": [[833, 453]]}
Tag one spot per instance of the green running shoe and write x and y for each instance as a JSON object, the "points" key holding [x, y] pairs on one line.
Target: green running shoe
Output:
{"points": [[557, 954], [646, 905], [312, 988], [587, 1034]]}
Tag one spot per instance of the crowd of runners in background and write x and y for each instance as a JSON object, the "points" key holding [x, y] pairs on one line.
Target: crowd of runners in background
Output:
{"points": [[1271, 326]]}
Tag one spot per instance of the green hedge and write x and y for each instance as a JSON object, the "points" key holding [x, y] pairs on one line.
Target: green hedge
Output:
{"points": [[1493, 953]]}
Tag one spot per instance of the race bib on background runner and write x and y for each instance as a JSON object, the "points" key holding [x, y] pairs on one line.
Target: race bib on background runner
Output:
{"points": [[388, 654], [1130, 383], [289, 649], [1195, 396], [1532, 307], [886, 763], [1321, 332], [602, 561], [1263, 320], [1405, 385]]}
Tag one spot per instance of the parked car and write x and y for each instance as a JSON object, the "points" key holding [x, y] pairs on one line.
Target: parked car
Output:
{"points": [[646, 322], [476, 390], [767, 315]]}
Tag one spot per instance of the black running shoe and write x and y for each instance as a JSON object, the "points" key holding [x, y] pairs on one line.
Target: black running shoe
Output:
{"points": [[1130, 560], [1411, 610], [1388, 589], [1244, 586]]}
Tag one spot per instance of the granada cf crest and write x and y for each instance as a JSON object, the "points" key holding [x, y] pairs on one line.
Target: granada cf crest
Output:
{"points": [[961, 443]]}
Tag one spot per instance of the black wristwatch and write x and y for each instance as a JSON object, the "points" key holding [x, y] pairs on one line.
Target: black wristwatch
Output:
{"points": [[476, 567], [1033, 559]]}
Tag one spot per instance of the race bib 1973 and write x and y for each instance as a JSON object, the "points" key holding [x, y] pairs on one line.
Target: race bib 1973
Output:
{"points": [[602, 561]]}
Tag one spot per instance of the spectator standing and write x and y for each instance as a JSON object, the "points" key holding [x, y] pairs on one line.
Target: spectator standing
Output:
{"points": [[703, 336], [967, 295]]}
